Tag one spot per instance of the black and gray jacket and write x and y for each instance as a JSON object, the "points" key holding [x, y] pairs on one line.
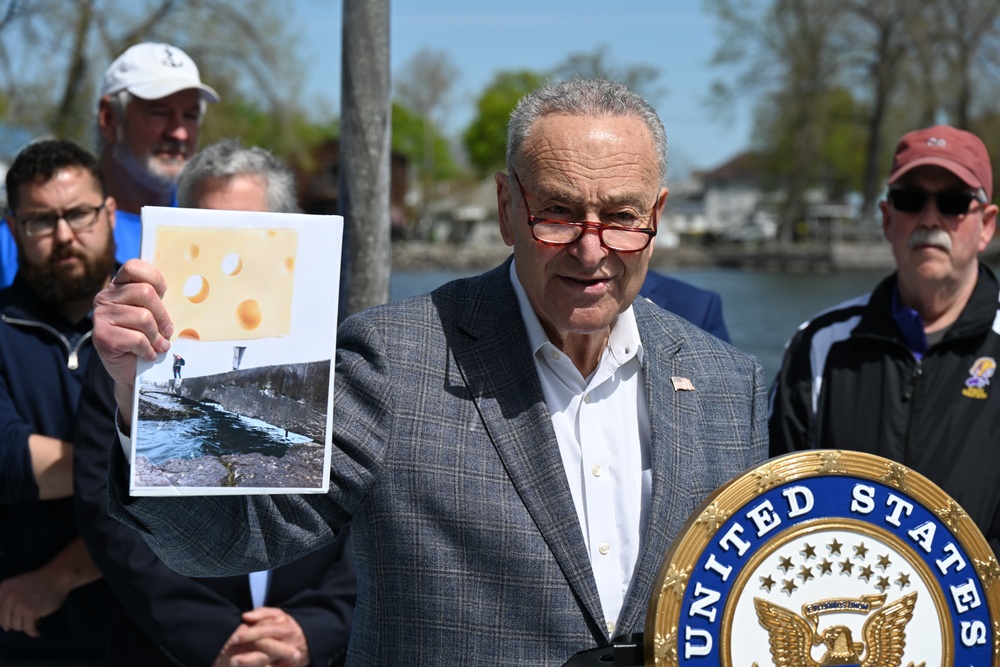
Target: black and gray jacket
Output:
{"points": [[849, 381]]}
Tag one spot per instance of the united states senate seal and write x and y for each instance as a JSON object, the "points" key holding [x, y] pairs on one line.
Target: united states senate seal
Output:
{"points": [[827, 557]]}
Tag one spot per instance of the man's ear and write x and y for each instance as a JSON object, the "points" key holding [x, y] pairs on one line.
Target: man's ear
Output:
{"points": [[504, 212], [111, 206], [883, 206], [107, 120], [11, 222], [989, 226], [661, 201]]}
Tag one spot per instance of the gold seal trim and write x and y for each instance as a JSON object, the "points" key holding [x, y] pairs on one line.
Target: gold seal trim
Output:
{"points": [[663, 619]]}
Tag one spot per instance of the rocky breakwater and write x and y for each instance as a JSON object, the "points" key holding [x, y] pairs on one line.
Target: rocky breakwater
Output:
{"points": [[291, 397], [300, 467]]}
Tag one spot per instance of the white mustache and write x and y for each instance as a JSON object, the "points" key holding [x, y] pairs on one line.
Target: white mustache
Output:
{"points": [[929, 236], [172, 146]]}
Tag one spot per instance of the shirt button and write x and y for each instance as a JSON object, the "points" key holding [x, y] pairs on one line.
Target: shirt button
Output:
{"points": [[596, 471], [611, 627], [586, 398], [604, 548], [554, 354]]}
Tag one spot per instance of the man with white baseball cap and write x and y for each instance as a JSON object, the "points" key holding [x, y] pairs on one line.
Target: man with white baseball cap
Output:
{"points": [[153, 71], [148, 118]]}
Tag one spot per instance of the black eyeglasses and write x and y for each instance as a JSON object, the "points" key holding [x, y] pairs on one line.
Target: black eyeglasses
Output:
{"points": [[948, 202], [564, 232], [78, 219]]}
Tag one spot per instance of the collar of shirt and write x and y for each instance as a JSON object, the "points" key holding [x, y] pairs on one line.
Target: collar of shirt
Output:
{"points": [[910, 324], [602, 428], [623, 343]]}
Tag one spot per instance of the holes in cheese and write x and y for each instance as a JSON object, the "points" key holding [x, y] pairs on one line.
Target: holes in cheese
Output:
{"points": [[227, 283], [196, 289], [232, 264]]}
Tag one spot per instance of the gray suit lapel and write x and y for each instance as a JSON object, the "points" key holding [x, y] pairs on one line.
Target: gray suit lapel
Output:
{"points": [[495, 362], [672, 414]]}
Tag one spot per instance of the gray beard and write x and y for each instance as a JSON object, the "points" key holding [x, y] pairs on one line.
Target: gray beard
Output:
{"points": [[141, 170]]}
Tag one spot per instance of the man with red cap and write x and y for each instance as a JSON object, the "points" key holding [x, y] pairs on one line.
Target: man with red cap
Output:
{"points": [[905, 372]]}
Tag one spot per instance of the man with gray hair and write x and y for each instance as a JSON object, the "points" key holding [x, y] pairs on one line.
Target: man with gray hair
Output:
{"points": [[266, 182], [904, 372], [516, 451]]}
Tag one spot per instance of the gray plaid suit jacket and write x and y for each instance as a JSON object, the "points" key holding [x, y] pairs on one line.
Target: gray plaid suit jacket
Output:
{"points": [[467, 544]]}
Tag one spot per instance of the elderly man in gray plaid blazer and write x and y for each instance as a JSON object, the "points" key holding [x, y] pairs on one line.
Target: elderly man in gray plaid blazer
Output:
{"points": [[514, 451]]}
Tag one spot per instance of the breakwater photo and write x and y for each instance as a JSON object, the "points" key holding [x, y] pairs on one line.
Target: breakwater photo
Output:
{"points": [[257, 428]]}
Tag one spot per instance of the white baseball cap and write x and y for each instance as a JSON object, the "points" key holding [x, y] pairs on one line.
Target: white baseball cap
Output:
{"points": [[151, 71]]}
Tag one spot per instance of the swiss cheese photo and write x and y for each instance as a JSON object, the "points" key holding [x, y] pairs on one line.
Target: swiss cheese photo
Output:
{"points": [[241, 402]]}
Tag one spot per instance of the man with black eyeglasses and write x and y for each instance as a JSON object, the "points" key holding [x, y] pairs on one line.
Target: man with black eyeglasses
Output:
{"points": [[905, 372], [53, 606]]}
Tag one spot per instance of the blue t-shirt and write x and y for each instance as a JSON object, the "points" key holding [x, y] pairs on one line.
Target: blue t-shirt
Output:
{"points": [[128, 234]]}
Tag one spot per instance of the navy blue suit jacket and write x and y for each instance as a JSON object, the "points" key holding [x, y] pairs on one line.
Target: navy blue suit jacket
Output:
{"points": [[696, 305]]}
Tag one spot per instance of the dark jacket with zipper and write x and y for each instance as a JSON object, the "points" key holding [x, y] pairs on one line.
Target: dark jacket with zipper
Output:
{"points": [[849, 381], [43, 364]]}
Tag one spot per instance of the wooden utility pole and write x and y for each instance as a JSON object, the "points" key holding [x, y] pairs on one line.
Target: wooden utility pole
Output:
{"points": [[364, 155]]}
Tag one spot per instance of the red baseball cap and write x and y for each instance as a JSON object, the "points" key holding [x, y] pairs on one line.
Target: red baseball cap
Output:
{"points": [[960, 152]]}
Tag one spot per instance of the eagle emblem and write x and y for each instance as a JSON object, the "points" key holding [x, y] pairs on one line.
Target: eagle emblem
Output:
{"points": [[792, 637]]}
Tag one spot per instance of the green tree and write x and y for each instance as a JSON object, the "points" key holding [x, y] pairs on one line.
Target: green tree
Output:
{"points": [[788, 54], [840, 147], [485, 139], [877, 34], [79, 39], [423, 92], [411, 135], [905, 64], [289, 135], [596, 64]]}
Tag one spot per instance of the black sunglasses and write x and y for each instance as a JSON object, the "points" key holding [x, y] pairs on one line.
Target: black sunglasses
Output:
{"points": [[948, 202]]}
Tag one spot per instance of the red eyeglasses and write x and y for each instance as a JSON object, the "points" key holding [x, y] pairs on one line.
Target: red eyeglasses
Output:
{"points": [[564, 232]]}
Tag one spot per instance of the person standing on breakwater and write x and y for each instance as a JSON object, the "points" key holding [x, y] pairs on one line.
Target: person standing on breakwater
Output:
{"points": [[178, 364]]}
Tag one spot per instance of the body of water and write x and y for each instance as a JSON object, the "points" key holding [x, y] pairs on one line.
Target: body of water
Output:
{"points": [[762, 309], [205, 429]]}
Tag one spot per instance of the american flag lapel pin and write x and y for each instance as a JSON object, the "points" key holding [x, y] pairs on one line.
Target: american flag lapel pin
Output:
{"points": [[681, 384]]}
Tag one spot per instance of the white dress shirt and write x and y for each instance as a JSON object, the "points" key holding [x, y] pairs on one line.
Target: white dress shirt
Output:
{"points": [[602, 426]]}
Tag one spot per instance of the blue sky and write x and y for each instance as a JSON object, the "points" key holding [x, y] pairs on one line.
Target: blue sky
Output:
{"points": [[482, 38]]}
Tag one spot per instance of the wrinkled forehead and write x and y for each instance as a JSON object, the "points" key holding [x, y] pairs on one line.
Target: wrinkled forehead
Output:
{"points": [[589, 149], [574, 132]]}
